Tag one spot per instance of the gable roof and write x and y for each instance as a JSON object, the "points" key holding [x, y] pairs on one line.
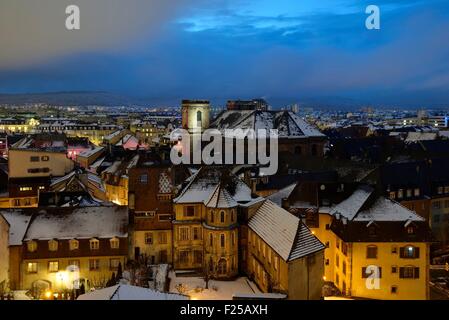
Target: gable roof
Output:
{"points": [[284, 232], [78, 223], [288, 124], [18, 223]]}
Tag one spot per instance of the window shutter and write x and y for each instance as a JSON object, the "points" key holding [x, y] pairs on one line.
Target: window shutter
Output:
{"points": [[401, 272], [416, 253], [401, 252], [416, 274]]}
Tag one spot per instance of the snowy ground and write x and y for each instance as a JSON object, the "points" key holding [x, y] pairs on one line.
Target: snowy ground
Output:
{"points": [[218, 290]]}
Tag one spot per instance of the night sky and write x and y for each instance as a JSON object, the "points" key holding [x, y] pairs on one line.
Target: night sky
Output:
{"points": [[282, 50]]}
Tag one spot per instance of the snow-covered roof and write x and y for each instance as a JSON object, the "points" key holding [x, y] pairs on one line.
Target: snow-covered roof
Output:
{"points": [[128, 292], [288, 124], [221, 199], [385, 209], [91, 152], [283, 232], [204, 183], [349, 207], [281, 194], [78, 223], [18, 224], [362, 206]]}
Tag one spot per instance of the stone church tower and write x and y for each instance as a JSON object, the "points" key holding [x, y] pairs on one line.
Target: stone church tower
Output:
{"points": [[195, 115]]}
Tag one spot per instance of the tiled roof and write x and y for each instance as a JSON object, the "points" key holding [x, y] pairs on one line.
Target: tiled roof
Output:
{"points": [[283, 232]]}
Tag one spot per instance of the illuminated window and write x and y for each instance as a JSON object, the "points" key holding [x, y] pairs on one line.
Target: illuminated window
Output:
{"points": [[440, 190], [53, 266], [94, 244], [400, 194], [113, 264], [94, 264], [143, 179], [416, 192], [26, 189], [53, 245], [32, 267], [392, 195], [73, 264], [32, 246], [45, 158], [74, 244], [409, 193], [115, 243], [409, 252]]}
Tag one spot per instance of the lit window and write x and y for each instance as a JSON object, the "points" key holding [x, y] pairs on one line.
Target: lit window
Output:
{"points": [[45, 158], [143, 178], [94, 244], [53, 245], [440, 190], [53, 266], [416, 192], [32, 267], [148, 238], [94, 264], [32, 246], [400, 194], [409, 193], [409, 252], [392, 195], [113, 264], [73, 244], [115, 243]]}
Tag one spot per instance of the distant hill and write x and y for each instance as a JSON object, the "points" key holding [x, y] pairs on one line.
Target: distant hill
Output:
{"points": [[79, 98]]}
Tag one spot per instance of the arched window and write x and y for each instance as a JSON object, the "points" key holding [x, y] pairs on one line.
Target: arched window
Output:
{"points": [[73, 244], [222, 240], [222, 266], [199, 116], [232, 216], [212, 216], [222, 216]]}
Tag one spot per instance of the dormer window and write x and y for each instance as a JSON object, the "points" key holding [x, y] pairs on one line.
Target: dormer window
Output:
{"points": [[94, 244], [32, 246], [53, 245], [115, 243], [410, 230], [74, 244]]}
